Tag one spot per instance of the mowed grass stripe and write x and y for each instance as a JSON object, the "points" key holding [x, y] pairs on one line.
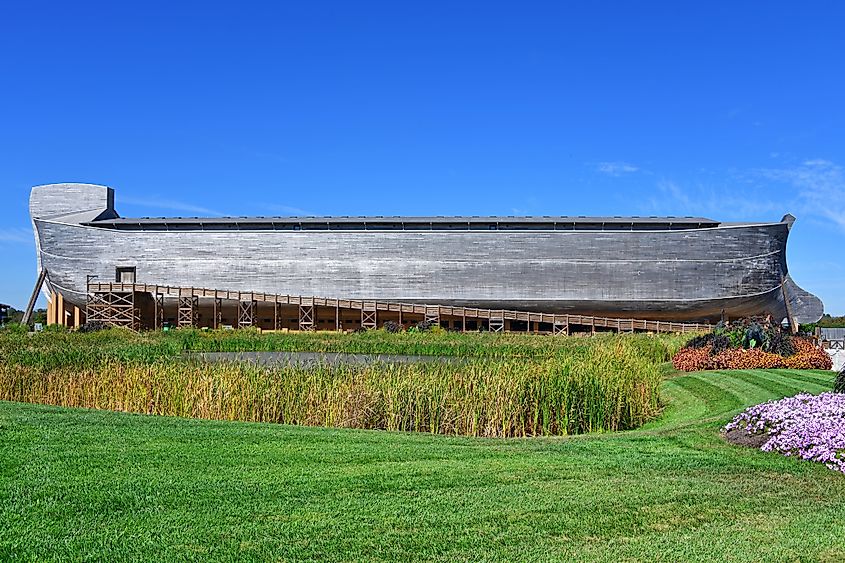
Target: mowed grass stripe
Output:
{"points": [[724, 392], [692, 396], [774, 382], [680, 405], [713, 397], [757, 387], [811, 379], [745, 389], [715, 393]]}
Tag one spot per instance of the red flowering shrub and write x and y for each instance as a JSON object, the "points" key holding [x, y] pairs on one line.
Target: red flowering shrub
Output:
{"points": [[803, 345], [691, 359], [806, 356], [741, 358]]}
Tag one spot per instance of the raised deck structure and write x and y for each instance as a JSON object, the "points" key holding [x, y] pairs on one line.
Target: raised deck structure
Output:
{"points": [[123, 304]]}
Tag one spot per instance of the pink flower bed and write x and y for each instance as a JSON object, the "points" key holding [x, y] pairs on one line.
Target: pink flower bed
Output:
{"points": [[811, 427]]}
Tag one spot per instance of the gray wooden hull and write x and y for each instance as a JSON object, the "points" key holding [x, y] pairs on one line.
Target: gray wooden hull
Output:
{"points": [[692, 274]]}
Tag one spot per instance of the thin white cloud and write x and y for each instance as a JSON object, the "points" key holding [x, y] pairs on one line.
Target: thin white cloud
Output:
{"points": [[675, 194], [813, 189], [716, 201], [155, 202], [616, 169], [16, 235], [820, 187]]}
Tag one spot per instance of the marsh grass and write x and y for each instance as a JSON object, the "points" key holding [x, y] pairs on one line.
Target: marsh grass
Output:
{"points": [[65, 348], [510, 386]]}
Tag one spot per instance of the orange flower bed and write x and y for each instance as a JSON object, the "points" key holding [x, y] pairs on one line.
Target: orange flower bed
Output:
{"points": [[807, 356]]}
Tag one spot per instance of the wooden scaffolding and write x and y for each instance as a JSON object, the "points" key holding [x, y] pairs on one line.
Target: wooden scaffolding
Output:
{"points": [[114, 307]]}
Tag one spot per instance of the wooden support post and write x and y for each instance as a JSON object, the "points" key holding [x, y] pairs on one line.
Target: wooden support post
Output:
{"points": [[369, 315], [60, 310], [463, 320], [30, 307], [561, 326], [51, 309], [187, 315], [400, 314], [77, 314], [89, 300], [793, 324], [337, 316], [275, 315], [306, 315], [246, 313], [218, 312], [496, 323], [159, 311]]}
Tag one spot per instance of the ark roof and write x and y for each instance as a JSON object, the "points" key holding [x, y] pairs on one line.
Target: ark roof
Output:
{"points": [[408, 223]]}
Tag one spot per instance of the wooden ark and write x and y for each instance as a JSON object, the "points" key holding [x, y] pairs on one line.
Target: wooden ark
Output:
{"points": [[674, 269]]}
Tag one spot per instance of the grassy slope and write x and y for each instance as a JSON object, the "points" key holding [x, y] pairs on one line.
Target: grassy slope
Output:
{"points": [[79, 484]]}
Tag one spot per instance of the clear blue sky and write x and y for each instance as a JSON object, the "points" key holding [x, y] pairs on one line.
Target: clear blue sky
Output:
{"points": [[730, 110]]}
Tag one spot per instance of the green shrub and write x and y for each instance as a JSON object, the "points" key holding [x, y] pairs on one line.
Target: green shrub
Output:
{"points": [[14, 328], [392, 327]]}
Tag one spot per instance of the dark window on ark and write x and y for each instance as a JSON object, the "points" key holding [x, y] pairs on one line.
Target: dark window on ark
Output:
{"points": [[125, 274]]}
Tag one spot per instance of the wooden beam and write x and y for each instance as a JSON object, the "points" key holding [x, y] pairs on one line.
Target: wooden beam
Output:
{"points": [[158, 310], [30, 306], [60, 309], [51, 309]]}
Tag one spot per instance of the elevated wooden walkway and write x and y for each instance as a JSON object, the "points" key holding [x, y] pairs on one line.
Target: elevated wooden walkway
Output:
{"points": [[119, 304]]}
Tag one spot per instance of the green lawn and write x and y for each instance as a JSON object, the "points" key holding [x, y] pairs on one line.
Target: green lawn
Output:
{"points": [[86, 485]]}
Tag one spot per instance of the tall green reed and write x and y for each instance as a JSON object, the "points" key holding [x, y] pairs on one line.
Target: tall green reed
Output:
{"points": [[575, 385]]}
